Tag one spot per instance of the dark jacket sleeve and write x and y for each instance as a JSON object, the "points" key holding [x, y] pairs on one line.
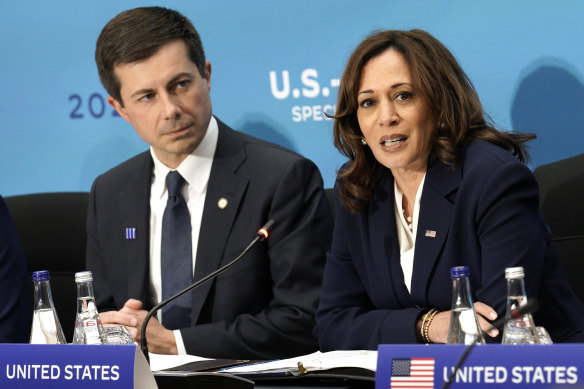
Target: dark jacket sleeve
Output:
{"points": [[94, 260], [512, 233], [15, 308]]}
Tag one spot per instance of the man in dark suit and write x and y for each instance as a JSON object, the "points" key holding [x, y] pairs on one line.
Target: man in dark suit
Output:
{"points": [[15, 309], [152, 63]]}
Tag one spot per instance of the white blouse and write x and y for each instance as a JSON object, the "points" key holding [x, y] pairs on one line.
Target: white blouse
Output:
{"points": [[407, 238]]}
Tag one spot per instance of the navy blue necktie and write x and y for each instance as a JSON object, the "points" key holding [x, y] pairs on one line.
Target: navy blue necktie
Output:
{"points": [[176, 255]]}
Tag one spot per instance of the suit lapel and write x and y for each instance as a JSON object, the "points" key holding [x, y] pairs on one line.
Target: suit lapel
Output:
{"points": [[217, 222], [385, 250], [134, 211], [433, 224]]}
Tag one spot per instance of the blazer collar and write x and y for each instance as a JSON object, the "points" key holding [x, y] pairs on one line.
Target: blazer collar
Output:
{"points": [[224, 193], [433, 224], [215, 225], [435, 217], [385, 252]]}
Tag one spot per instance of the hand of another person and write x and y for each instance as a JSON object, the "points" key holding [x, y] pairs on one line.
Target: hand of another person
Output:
{"points": [[160, 339], [438, 330], [117, 317]]}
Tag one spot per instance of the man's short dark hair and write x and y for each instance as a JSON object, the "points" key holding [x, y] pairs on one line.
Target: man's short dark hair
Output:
{"points": [[136, 35]]}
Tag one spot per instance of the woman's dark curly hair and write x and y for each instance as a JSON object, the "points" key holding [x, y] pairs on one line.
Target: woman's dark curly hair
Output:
{"points": [[449, 92]]}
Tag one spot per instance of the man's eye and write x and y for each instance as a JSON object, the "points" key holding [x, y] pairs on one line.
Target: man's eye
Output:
{"points": [[147, 97]]}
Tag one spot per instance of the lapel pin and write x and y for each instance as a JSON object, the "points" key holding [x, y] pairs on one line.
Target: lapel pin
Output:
{"points": [[130, 233], [430, 233], [222, 203]]}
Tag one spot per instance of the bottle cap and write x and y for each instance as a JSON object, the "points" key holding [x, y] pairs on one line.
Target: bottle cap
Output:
{"points": [[513, 273], [459, 272], [83, 276], [41, 275]]}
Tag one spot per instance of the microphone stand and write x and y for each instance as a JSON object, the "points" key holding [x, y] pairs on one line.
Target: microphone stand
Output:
{"points": [[530, 307], [262, 234]]}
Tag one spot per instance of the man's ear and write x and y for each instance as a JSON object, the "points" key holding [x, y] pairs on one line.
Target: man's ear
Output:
{"points": [[208, 74], [118, 107]]}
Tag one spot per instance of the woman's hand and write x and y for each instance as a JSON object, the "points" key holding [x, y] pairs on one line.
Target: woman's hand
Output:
{"points": [[484, 313], [438, 330]]}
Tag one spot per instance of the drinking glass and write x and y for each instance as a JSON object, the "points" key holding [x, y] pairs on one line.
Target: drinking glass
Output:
{"points": [[542, 335], [117, 334]]}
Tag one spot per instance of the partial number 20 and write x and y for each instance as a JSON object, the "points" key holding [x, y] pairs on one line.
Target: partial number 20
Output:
{"points": [[95, 104]]}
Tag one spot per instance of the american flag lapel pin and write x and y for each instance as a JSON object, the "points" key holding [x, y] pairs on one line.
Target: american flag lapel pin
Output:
{"points": [[130, 233], [430, 234]]}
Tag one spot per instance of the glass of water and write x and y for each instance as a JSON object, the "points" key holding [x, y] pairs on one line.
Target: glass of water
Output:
{"points": [[117, 334]]}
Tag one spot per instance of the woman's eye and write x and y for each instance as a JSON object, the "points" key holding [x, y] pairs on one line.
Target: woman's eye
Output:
{"points": [[366, 103], [403, 96]]}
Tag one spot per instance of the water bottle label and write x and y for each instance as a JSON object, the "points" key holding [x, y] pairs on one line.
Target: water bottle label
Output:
{"points": [[91, 331]]}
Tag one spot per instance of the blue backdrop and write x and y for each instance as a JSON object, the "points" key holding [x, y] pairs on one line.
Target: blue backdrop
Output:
{"points": [[276, 66]]}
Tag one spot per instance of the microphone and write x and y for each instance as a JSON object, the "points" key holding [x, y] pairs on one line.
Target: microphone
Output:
{"points": [[529, 307], [261, 235]]}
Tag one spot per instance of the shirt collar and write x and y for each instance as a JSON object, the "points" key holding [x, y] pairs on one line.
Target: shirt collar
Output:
{"points": [[398, 197], [196, 167]]}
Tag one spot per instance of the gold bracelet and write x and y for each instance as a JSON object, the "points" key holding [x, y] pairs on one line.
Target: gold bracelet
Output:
{"points": [[424, 318], [423, 325], [426, 324], [431, 316]]}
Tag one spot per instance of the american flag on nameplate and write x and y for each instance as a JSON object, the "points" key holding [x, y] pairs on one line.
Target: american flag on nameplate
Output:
{"points": [[412, 373]]}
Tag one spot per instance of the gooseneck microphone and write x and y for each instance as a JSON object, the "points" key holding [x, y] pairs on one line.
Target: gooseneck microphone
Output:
{"points": [[261, 235], [530, 307]]}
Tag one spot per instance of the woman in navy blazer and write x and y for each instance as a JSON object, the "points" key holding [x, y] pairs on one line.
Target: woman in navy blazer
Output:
{"points": [[430, 184]]}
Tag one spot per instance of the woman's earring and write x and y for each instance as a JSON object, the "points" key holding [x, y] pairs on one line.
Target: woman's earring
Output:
{"points": [[441, 125], [363, 142]]}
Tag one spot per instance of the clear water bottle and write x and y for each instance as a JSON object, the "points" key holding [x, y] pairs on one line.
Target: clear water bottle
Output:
{"points": [[464, 324], [46, 328], [88, 328], [518, 329]]}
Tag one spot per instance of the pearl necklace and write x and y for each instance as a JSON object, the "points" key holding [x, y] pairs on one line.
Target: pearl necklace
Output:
{"points": [[409, 220]]}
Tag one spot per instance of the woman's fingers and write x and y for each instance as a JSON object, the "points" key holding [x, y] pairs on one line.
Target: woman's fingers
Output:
{"points": [[485, 312]]}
